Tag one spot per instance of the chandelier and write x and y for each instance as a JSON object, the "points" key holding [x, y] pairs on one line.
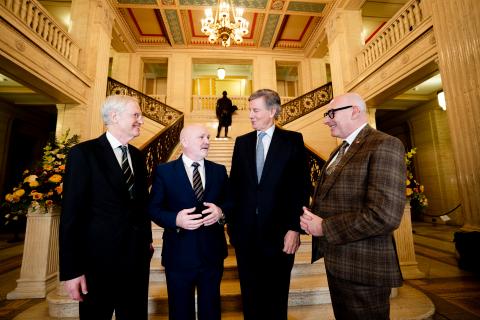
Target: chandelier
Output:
{"points": [[227, 24]]}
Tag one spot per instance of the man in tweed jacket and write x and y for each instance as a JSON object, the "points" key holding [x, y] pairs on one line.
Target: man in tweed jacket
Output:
{"points": [[357, 205]]}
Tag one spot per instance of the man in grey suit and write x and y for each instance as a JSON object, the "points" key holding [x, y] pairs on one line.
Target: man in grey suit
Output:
{"points": [[357, 205]]}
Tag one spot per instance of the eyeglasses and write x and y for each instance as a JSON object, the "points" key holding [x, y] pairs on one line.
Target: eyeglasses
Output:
{"points": [[331, 113]]}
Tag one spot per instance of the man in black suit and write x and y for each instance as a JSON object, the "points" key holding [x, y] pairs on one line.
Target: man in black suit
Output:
{"points": [[105, 231], [270, 182], [224, 111], [188, 200]]}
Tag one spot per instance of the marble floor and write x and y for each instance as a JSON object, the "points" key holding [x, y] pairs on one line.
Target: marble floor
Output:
{"points": [[454, 292]]}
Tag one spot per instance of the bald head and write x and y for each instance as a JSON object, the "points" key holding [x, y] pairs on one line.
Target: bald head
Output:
{"points": [[195, 141], [345, 114]]}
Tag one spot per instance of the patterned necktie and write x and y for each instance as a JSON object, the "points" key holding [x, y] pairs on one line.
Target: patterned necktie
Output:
{"points": [[260, 155], [127, 171], [340, 153], [197, 182]]}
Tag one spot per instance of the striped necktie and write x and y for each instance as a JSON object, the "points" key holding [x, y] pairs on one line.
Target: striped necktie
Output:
{"points": [[340, 154], [127, 171], [197, 182]]}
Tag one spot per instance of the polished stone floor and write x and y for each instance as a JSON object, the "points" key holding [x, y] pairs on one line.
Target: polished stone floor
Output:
{"points": [[454, 292]]}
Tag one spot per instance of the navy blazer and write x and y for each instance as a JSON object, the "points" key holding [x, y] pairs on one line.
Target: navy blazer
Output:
{"points": [[265, 211], [172, 192]]}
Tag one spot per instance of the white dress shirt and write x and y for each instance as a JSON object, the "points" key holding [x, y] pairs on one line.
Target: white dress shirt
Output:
{"points": [[267, 139], [187, 162], [118, 152]]}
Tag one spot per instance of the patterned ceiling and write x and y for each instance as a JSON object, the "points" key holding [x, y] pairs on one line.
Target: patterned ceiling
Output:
{"points": [[273, 24]]}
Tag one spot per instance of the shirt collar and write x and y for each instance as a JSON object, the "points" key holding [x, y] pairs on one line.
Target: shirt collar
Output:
{"points": [[113, 141], [354, 134], [269, 131], [188, 162]]}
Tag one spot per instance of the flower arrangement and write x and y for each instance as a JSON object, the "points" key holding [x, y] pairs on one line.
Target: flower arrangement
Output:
{"points": [[415, 190], [41, 185]]}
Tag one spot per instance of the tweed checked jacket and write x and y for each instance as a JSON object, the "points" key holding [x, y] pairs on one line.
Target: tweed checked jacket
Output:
{"points": [[362, 203]]}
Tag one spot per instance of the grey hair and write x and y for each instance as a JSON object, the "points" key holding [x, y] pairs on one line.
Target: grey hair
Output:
{"points": [[115, 103], [271, 98]]}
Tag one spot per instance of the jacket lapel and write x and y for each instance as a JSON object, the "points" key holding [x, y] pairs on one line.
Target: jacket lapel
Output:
{"points": [[111, 168], [183, 181], [251, 149], [329, 180]]}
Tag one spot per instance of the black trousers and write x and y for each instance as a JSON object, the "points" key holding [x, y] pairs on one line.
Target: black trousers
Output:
{"points": [[351, 300], [265, 283], [181, 285], [127, 296]]}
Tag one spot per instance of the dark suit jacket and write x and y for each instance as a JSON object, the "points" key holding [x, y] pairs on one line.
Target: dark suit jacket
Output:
{"points": [[279, 196], [103, 231], [362, 203], [172, 192]]}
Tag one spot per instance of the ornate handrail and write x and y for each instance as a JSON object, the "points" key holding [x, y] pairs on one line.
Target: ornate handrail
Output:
{"points": [[160, 147], [305, 104], [315, 164], [151, 108], [37, 19], [398, 27]]}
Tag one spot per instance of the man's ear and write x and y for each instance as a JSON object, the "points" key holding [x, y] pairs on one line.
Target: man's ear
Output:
{"points": [[356, 112]]}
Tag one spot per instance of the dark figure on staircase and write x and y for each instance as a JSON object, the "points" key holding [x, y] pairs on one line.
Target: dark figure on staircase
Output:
{"points": [[189, 196], [105, 231], [224, 111]]}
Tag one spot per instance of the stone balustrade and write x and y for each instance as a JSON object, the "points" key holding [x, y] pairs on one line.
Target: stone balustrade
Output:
{"points": [[32, 15], [209, 102], [397, 28]]}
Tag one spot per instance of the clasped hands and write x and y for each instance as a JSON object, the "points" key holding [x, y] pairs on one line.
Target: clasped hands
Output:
{"points": [[311, 223], [186, 219]]}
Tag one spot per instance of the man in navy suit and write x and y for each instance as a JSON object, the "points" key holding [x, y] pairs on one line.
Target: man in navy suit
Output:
{"points": [[189, 200], [269, 180], [105, 231]]}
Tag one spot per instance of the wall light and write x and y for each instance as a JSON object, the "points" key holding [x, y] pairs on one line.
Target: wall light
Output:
{"points": [[221, 73], [441, 100]]}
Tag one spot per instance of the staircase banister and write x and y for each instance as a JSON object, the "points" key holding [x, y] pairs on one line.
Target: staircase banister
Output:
{"points": [[315, 164], [305, 104]]}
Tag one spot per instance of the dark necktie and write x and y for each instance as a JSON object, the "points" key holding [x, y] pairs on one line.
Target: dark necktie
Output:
{"points": [[260, 155], [127, 171], [197, 182], [340, 154]]}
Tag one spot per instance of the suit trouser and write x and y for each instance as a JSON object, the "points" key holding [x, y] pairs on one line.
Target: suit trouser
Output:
{"points": [[351, 300], [265, 283], [127, 296], [181, 285]]}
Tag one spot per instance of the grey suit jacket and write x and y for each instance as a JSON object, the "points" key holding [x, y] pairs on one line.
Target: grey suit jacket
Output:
{"points": [[362, 203]]}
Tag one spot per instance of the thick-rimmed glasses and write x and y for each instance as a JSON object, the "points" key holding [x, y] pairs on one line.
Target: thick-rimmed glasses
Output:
{"points": [[331, 113]]}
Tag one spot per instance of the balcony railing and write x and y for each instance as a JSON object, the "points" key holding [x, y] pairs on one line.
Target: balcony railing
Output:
{"points": [[397, 28], [210, 102], [34, 17]]}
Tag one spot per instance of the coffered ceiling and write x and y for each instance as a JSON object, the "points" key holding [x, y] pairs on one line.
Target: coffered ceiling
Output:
{"points": [[274, 24]]}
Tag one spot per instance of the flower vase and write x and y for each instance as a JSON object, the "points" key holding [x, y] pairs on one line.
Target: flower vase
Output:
{"points": [[38, 274]]}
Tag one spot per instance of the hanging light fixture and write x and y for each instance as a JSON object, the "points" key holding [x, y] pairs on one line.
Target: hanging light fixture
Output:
{"points": [[441, 100], [221, 73], [227, 24]]}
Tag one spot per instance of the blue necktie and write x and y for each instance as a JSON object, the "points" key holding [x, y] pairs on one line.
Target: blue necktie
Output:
{"points": [[260, 155]]}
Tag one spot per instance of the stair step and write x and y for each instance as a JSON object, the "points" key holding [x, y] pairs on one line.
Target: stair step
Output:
{"points": [[433, 243], [304, 290]]}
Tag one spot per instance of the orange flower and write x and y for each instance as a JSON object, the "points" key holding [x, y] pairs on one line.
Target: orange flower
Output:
{"points": [[56, 178]]}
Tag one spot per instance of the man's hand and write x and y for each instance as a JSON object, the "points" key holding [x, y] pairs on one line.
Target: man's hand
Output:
{"points": [[291, 242], [187, 220], [76, 288], [213, 214], [311, 223]]}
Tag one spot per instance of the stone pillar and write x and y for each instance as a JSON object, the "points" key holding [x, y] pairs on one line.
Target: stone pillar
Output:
{"points": [[456, 26], [344, 33], [179, 80], [121, 68], [67, 118], [264, 72], [317, 74]]}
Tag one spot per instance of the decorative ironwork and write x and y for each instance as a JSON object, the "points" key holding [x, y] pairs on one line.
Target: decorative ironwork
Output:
{"points": [[315, 163], [305, 104], [151, 108], [161, 146]]}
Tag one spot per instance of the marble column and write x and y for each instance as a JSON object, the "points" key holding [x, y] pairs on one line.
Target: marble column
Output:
{"points": [[344, 33], [316, 74], [456, 26]]}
